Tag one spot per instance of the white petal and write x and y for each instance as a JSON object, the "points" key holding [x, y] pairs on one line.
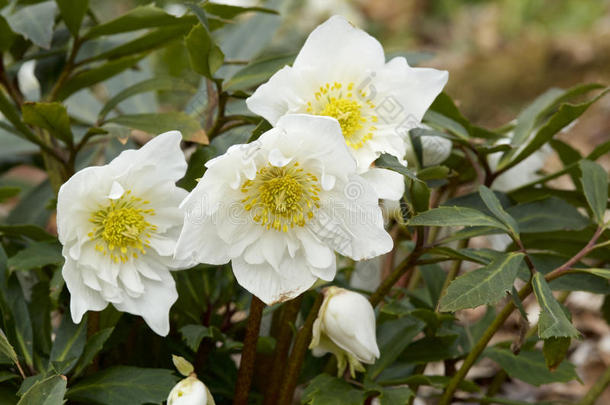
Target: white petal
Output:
{"points": [[270, 286], [197, 242], [350, 221], [367, 274], [116, 191], [276, 158], [387, 184], [317, 253], [162, 154], [410, 90], [337, 44], [154, 304], [82, 298]]}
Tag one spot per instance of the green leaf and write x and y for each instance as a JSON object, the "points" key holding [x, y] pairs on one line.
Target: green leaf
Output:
{"points": [[555, 350], [395, 396], [69, 343], [431, 348], [528, 118], [49, 391], [257, 72], [34, 22], [153, 84], [564, 115], [206, 56], [417, 195], [89, 77], [137, 19], [6, 349], [7, 35], [494, 206], [553, 321], [29, 231], [328, 390], [387, 161], [124, 385], [8, 192], [229, 12], [530, 366], [393, 338], [158, 123], [145, 43], [595, 186], [548, 215], [183, 366], [7, 108], [93, 346], [434, 173], [486, 285], [194, 334], [455, 216], [35, 255], [73, 12], [605, 273]]}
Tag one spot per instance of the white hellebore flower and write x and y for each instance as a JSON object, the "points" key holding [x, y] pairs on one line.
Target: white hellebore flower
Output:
{"points": [[278, 207], [119, 224], [345, 327], [190, 391], [341, 72]]}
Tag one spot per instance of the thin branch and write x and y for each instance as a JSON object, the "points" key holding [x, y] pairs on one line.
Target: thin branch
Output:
{"points": [[583, 252], [248, 355]]}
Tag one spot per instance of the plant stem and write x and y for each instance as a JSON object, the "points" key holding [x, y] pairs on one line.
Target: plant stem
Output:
{"points": [[248, 355], [597, 389], [583, 252], [480, 346], [288, 316], [407, 264], [67, 70], [301, 343]]}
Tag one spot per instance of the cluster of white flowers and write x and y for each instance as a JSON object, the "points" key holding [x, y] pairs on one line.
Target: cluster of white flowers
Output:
{"points": [[278, 208]]}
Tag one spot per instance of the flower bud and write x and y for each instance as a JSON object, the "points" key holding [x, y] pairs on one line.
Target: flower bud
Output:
{"points": [[345, 327], [190, 391]]}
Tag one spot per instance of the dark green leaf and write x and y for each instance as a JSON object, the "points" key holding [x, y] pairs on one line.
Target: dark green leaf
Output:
{"points": [[433, 173], [37, 254], [73, 12], [162, 122], [393, 338], [6, 349], [29, 231], [50, 116], [455, 216], [553, 321], [194, 334], [8, 192], [494, 206], [327, 390], [154, 84], [257, 72], [89, 77], [49, 391], [529, 366], [550, 214], [228, 11], [94, 345], [69, 343], [140, 17], [123, 385], [483, 286], [395, 396], [206, 56], [430, 349], [387, 161], [555, 350], [595, 186], [34, 22]]}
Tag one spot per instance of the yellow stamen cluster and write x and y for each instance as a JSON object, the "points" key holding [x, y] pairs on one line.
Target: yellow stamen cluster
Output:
{"points": [[121, 228], [355, 114], [281, 198]]}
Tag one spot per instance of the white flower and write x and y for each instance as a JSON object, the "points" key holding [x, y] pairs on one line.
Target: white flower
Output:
{"points": [[435, 150], [277, 209], [119, 224], [341, 72], [190, 391], [345, 327]]}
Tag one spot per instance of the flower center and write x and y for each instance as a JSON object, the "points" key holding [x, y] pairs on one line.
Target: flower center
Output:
{"points": [[355, 114], [281, 197], [121, 228]]}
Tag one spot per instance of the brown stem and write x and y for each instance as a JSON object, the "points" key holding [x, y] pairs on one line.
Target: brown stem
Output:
{"points": [[295, 361], [289, 314], [583, 252], [67, 70], [248, 355]]}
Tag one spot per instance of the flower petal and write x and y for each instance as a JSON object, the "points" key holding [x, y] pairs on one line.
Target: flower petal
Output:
{"points": [[387, 184], [82, 298]]}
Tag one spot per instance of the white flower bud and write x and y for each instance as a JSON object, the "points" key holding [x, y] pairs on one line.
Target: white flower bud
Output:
{"points": [[345, 327], [435, 150], [190, 391]]}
